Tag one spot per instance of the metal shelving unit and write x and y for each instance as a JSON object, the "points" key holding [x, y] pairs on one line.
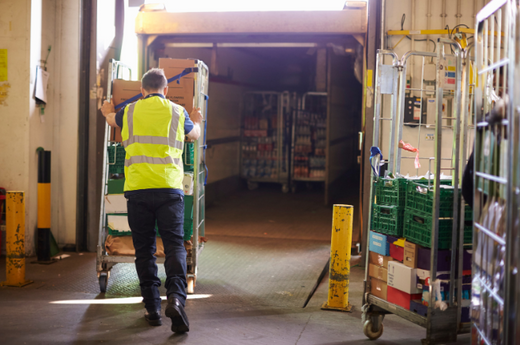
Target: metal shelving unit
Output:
{"points": [[495, 293], [309, 139], [264, 139], [441, 326]]}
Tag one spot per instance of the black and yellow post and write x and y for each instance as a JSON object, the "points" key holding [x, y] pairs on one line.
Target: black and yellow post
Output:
{"points": [[43, 250], [15, 240]]}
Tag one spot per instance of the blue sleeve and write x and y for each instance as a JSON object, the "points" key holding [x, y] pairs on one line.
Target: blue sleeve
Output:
{"points": [[188, 124], [119, 117]]}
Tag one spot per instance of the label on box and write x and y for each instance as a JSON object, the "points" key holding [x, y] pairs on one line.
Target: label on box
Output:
{"points": [[378, 243], [410, 254], [187, 183], [379, 260], [378, 288]]}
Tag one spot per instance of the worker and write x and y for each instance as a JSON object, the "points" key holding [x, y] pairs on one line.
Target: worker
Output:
{"points": [[153, 131]]}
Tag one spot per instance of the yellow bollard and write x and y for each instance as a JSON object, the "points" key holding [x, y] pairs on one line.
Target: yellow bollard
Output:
{"points": [[339, 268], [15, 240]]}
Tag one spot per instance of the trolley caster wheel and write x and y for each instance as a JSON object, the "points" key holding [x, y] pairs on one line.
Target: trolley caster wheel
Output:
{"points": [[293, 189], [252, 185], [191, 285], [370, 332], [285, 188], [103, 282]]}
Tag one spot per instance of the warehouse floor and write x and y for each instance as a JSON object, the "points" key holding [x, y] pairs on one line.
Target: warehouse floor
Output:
{"points": [[264, 254]]}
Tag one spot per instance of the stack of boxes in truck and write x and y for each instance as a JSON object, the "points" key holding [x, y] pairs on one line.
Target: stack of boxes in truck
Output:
{"points": [[401, 239], [119, 241]]}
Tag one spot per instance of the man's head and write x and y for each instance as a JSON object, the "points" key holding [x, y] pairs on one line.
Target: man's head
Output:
{"points": [[154, 81]]}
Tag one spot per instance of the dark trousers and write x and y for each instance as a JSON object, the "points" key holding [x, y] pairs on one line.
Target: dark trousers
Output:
{"points": [[144, 209]]}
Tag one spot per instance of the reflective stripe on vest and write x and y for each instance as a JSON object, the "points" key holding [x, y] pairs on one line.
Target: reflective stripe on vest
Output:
{"points": [[148, 139]]}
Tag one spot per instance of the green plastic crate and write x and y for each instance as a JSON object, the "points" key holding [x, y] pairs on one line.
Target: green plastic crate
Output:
{"points": [[116, 158], [116, 186], [391, 192], [388, 219], [418, 227], [468, 232], [188, 156], [420, 198], [188, 207], [188, 229]]}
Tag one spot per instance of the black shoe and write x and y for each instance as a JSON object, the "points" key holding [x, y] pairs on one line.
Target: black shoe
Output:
{"points": [[175, 311], [153, 317]]}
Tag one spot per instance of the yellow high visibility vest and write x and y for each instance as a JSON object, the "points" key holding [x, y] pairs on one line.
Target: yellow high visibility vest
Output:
{"points": [[153, 137]]}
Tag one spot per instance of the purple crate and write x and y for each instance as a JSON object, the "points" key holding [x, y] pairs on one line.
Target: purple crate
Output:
{"points": [[443, 259]]}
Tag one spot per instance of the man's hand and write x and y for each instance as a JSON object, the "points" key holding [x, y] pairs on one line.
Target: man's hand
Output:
{"points": [[108, 108], [196, 116], [109, 112]]}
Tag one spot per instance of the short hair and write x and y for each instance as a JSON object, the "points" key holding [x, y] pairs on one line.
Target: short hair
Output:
{"points": [[154, 80]]}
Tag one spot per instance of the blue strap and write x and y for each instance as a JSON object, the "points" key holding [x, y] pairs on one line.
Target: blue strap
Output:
{"points": [[177, 77], [374, 151], [206, 97]]}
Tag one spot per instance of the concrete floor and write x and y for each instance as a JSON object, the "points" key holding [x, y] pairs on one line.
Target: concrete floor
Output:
{"points": [[264, 254]]}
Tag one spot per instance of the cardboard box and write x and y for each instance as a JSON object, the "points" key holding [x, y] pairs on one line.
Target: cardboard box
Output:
{"points": [[401, 298], [378, 272], [378, 243], [402, 278], [379, 260], [378, 288], [410, 254], [182, 91], [398, 241], [123, 90], [418, 307], [396, 252], [123, 245], [115, 135], [115, 203], [118, 223]]}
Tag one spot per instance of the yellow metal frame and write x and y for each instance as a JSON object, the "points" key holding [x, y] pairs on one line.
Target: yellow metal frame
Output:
{"points": [[428, 32]]}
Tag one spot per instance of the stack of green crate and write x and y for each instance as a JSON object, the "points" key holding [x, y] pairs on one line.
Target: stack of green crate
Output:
{"points": [[418, 216], [388, 209]]}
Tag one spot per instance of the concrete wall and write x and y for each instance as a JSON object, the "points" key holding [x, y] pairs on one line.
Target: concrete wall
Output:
{"points": [[394, 12], [27, 29]]}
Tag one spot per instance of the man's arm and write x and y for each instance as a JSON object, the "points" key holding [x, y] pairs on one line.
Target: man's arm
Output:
{"points": [[196, 118], [109, 113]]}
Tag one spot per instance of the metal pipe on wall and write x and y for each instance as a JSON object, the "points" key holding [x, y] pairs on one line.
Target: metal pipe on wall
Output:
{"points": [[412, 65], [383, 14], [443, 14], [428, 19], [459, 11]]}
